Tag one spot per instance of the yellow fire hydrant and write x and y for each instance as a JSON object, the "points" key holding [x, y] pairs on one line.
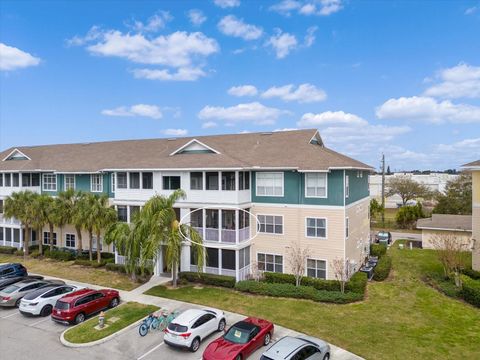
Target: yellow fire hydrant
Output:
{"points": [[101, 320]]}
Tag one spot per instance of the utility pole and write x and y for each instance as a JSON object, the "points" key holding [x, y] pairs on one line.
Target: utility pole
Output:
{"points": [[383, 189]]}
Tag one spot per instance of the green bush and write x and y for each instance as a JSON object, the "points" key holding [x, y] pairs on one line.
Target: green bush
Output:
{"points": [[382, 270], [116, 267], [472, 273], [297, 292], [209, 279], [18, 252], [107, 255], [471, 290], [7, 250], [378, 250], [60, 255], [92, 263], [35, 247], [407, 216], [357, 283], [35, 254]]}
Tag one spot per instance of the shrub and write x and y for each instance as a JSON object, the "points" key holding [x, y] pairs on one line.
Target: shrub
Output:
{"points": [[378, 250], [35, 254], [7, 250], [209, 279], [35, 247], [472, 273], [107, 255], [357, 283], [382, 270], [60, 255], [92, 263], [471, 290], [297, 292], [18, 252], [116, 267]]}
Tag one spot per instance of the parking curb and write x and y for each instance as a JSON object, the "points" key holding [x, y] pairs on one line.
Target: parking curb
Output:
{"points": [[96, 342]]}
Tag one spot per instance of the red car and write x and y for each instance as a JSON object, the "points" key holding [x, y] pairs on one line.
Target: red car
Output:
{"points": [[241, 340], [76, 306]]}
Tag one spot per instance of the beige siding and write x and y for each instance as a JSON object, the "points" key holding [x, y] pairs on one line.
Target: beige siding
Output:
{"points": [[356, 246], [476, 220], [429, 235], [294, 233]]}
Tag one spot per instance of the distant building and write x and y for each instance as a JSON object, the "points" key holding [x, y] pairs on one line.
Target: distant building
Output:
{"points": [[474, 167], [441, 224]]}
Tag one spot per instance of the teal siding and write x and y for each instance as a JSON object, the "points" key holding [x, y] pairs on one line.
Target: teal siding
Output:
{"points": [[82, 183], [358, 186]]}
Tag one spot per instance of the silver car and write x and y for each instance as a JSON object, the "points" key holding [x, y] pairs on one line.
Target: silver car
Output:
{"points": [[13, 294], [298, 348]]}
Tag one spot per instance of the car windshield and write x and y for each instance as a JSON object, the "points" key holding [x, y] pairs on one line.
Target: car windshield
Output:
{"points": [[10, 289], [60, 305], [36, 293], [383, 235], [177, 327], [237, 335]]}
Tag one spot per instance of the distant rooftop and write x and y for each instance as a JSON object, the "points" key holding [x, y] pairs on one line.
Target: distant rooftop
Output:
{"points": [[446, 222]]}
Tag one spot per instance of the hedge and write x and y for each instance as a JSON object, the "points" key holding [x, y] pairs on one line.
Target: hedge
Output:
{"points": [[92, 263], [472, 273], [121, 269], [208, 279], [382, 270], [378, 250], [471, 290], [60, 255], [297, 292], [18, 252], [7, 250]]}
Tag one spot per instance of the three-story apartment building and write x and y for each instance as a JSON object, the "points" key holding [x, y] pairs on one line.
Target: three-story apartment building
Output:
{"points": [[474, 167], [252, 197]]}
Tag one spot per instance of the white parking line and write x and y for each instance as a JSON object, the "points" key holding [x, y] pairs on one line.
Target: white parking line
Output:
{"points": [[5, 317], [39, 322], [150, 351]]}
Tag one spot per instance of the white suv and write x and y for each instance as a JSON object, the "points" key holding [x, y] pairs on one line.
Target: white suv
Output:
{"points": [[41, 301], [192, 326]]}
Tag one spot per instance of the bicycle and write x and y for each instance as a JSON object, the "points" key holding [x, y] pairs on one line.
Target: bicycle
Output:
{"points": [[165, 319], [152, 321]]}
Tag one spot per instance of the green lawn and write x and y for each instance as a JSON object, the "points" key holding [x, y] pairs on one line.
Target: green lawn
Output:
{"points": [[127, 314], [402, 317]]}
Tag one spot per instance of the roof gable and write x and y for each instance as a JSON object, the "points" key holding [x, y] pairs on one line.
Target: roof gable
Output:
{"points": [[16, 154], [195, 147]]}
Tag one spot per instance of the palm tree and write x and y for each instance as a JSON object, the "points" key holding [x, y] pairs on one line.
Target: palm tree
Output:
{"points": [[41, 207], [86, 216], [77, 218], [65, 204], [19, 205], [104, 216], [55, 217]]}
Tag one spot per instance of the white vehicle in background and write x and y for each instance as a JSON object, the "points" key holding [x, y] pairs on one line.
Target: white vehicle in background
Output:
{"points": [[192, 326], [41, 301]]}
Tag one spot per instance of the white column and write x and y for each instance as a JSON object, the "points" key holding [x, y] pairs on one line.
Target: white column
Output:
{"points": [[220, 225], [128, 214], [204, 225], [185, 258], [158, 268], [237, 265], [4, 236], [220, 261], [237, 182], [20, 234], [237, 226], [116, 255]]}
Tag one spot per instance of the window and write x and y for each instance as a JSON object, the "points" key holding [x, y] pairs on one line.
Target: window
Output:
{"points": [[196, 181], [8, 179], [269, 262], [94, 243], [69, 181], [243, 218], [243, 180], [70, 240], [308, 352], [347, 186], [49, 182], [122, 213], [1, 206], [8, 234], [196, 218], [1, 179], [171, 182], [212, 180], [1, 233], [316, 185], [134, 180], [211, 218], [96, 183], [244, 257], [347, 227], [269, 184], [317, 268], [147, 180], [112, 179], [316, 227], [228, 180], [212, 257], [122, 180], [35, 179], [15, 180], [33, 235], [228, 259], [270, 224], [46, 238], [16, 235], [228, 219], [26, 179]]}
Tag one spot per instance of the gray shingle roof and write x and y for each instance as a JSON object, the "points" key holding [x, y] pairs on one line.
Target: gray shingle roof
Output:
{"points": [[446, 222], [472, 164]]}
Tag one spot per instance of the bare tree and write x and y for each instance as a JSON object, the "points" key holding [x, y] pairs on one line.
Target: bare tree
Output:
{"points": [[451, 253], [407, 189], [340, 269], [256, 274], [297, 259]]}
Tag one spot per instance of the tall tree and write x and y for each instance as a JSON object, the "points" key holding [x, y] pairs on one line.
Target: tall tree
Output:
{"points": [[407, 189], [105, 216], [70, 206], [78, 217], [55, 217], [457, 198], [85, 216], [41, 208], [19, 205]]}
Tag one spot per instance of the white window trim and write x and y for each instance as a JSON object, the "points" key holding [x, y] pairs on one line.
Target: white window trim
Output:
{"points": [[270, 172], [65, 181], [113, 182], [326, 267], [91, 183], [71, 247], [347, 186], [347, 226], [43, 181], [269, 253], [316, 237], [326, 186], [48, 232], [272, 234]]}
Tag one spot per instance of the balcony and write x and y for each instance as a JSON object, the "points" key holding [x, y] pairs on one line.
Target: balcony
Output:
{"points": [[8, 221], [224, 236]]}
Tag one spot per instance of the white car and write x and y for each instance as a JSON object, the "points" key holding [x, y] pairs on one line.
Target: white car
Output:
{"points": [[42, 300], [192, 326]]}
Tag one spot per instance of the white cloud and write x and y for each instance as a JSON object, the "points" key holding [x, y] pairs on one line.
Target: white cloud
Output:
{"points": [[209, 125], [175, 132], [232, 26], [254, 112], [331, 118], [308, 7], [151, 111], [285, 129], [309, 39], [181, 74], [471, 10], [227, 3], [196, 17], [461, 81], [305, 93], [243, 90], [282, 43], [428, 109], [154, 23], [12, 58]]}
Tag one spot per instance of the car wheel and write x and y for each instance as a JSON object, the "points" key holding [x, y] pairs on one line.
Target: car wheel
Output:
{"points": [[114, 302], [221, 325], [326, 357], [238, 357], [266, 339], [195, 345], [79, 318], [46, 310], [17, 303]]}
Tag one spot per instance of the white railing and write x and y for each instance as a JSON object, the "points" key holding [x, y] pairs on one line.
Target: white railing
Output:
{"points": [[228, 272], [211, 234], [121, 260], [193, 268], [243, 274], [9, 221], [228, 236], [244, 234], [211, 270]]}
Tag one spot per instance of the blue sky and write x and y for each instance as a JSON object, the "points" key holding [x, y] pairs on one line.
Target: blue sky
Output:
{"points": [[399, 77]]}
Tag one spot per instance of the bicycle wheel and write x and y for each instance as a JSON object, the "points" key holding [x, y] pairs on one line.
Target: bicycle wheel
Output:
{"points": [[162, 324], [154, 324], [143, 329]]}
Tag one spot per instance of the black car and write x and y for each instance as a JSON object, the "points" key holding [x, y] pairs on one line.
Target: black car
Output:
{"points": [[5, 282], [383, 237], [12, 270]]}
